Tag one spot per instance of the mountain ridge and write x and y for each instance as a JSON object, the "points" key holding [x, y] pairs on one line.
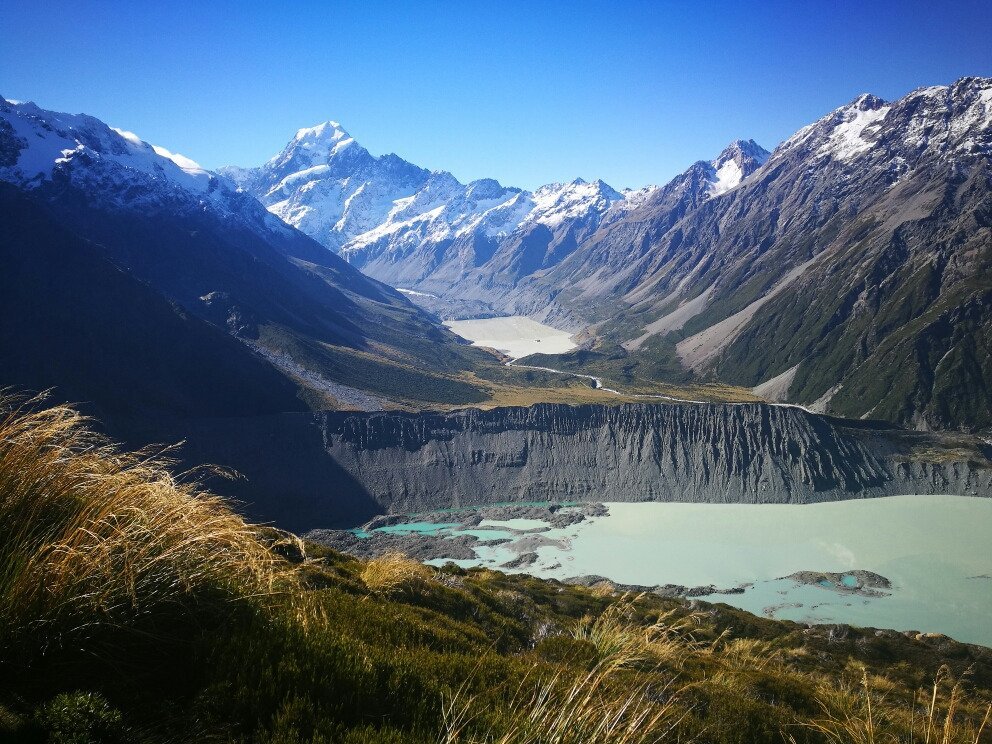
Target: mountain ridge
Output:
{"points": [[469, 243], [214, 253], [851, 267]]}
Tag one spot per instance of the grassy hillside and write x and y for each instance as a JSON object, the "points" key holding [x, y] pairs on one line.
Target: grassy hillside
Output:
{"points": [[135, 608]]}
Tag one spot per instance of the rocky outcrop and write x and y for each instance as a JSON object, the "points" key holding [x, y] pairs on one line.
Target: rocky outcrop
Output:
{"points": [[751, 453]]}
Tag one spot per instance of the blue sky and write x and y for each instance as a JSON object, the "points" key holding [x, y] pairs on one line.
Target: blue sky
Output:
{"points": [[526, 92]]}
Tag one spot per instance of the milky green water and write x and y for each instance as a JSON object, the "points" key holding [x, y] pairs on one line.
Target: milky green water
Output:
{"points": [[516, 336], [936, 551], [425, 528]]}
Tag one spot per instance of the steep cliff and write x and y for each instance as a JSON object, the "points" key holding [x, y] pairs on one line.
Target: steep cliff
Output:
{"points": [[641, 452]]}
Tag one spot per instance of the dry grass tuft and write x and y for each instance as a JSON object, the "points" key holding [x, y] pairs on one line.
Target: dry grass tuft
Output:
{"points": [[852, 716], [748, 654], [98, 537], [393, 573], [602, 589], [622, 643], [583, 710]]}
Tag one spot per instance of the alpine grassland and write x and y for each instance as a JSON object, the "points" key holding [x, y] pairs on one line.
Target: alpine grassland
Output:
{"points": [[135, 607]]}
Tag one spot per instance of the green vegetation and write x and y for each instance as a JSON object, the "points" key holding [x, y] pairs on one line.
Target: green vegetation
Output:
{"points": [[134, 608], [653, 370], [385, 372]]}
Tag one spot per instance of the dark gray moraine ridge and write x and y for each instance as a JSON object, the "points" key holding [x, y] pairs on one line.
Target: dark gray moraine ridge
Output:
{"points": [[751, 453], [339, 469]]}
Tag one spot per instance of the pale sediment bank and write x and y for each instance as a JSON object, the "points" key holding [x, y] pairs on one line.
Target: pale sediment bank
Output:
{"points": [[516, 336]]}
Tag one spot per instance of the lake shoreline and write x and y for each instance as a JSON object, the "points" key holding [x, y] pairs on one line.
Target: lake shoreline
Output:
{"points": [[901, 562]]}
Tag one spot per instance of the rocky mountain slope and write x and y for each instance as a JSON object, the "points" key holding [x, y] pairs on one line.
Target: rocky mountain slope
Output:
{"points": [[181, 287], [73, 322], [850, 272], [380, 462], [750, 453]]}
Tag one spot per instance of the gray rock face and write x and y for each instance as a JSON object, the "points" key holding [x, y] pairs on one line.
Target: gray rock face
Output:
{"points": [[723, 453], [304, 471]]}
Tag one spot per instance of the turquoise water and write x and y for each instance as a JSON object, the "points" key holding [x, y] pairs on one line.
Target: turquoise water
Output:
{"points": [[447, 529], [426, 528], [934, 549]]}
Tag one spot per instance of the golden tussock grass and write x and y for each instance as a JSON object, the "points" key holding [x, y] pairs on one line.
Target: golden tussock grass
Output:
{"points": [[935, 716], [98, 536], [392, 573], [748, 654], [580, 710], [594, 706], [622, 642]]}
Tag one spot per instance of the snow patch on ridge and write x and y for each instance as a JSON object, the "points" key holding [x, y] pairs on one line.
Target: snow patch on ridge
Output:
{"points": [[849, 137], [127, 172], [728, 176]]}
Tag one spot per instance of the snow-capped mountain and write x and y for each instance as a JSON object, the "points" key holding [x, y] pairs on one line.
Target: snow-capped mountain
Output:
{"points": [[943, 123], [330, 187], [327, 185], [466, 243], [700, 182], [40, 149], [194, 240], [484, 207], [468, 249], [851, 271]]}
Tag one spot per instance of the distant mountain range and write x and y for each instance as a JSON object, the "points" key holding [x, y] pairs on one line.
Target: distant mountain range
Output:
{"points": [[152, 289], [468, 244], [848, 270]]}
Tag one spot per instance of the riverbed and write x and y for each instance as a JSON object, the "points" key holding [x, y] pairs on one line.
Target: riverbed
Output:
{"points": [[516, 336]]}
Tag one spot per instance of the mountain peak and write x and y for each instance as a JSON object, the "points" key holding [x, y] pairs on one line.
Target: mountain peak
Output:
{"points": [[866, 102], [322, 140], [742, 152], [738, 160], [326, 131], [312, 147]]}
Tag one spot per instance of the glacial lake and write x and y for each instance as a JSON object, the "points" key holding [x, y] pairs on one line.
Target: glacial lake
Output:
{"points": [[516, 336], [935, 550]]}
